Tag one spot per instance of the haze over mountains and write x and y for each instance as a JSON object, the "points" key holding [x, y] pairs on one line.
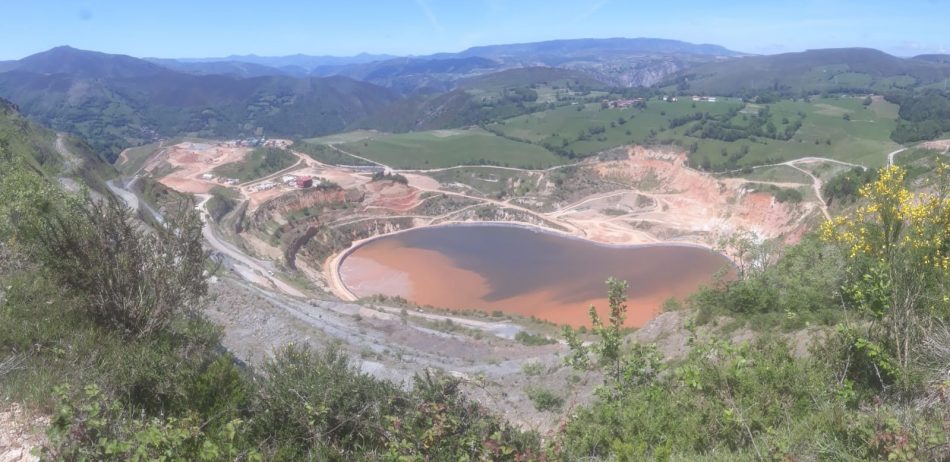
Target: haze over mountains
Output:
{"points": [[119, 101], [622, 61]]}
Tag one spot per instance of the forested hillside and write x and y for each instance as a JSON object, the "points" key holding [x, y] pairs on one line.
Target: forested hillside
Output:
{"points": [[41, 148], [116, 101], [924, 115], [850, 70]]}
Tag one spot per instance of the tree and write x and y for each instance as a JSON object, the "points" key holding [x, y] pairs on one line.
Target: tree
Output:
{"points": [[607, 350], [751, 254]]}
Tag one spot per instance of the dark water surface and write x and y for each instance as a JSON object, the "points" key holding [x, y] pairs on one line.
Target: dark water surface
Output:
{"points": [[523, 271]]}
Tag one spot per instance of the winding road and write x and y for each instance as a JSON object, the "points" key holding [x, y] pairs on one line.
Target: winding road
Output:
{"points": [[251, 269], [890, 156], [124, 191]]}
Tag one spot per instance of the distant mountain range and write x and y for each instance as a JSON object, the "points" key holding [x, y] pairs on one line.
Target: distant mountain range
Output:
{"points": [[255, 66], [301, 61], [618, 61], [116, 101]]}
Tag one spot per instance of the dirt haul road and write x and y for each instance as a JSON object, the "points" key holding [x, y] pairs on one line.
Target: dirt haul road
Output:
{"points": [[251, 269]]}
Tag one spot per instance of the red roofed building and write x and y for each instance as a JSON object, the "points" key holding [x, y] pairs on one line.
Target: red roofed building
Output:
{"points": [[304, 182]]}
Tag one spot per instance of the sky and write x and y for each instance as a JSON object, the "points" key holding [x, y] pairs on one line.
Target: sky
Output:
{"points": [[213, 28]]}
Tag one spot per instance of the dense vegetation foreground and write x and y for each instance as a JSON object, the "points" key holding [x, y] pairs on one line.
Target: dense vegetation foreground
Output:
{"points": [[102, 329]]}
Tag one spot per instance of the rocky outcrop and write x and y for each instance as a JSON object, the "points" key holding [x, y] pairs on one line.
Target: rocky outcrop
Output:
{"points": [[19, 434]]}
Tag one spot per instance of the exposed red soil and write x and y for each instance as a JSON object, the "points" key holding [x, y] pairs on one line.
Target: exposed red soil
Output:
{"points": [[191, 161], [391, 195], [691, 201]]}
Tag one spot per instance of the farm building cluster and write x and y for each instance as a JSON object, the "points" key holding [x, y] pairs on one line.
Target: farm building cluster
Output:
{"points": [[622, 103], [302, 181], [222, 180], [291, 181]]}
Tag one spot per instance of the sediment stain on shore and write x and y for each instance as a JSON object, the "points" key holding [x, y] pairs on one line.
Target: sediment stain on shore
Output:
{"points": [[526, 272]]}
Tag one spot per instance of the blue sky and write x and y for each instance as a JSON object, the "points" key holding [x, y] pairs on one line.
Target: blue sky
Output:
{"points": [[203, 28]]}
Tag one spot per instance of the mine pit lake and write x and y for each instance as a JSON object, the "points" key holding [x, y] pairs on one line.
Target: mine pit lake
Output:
{"points": [[525, 271]]}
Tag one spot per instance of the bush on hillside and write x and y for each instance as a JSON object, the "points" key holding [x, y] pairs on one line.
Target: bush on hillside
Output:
{"points": [[898, 268], [394, 177], [129, 279], [310, 402], [750, 401], [91, 426], [801, 287], [845, 187]]}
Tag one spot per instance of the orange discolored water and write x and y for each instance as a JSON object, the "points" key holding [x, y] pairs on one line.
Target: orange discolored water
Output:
{"points": [[527, 272]]}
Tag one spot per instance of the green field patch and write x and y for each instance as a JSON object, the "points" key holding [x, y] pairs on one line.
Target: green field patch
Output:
{"points": [[490, 181], [778, 174], [900, 81], [582, 130], [347, 137], [259, 163], [913, 155], [884, 109], [824, 132], [327, 154], [449, 148], [830, 110], [791, 195]]}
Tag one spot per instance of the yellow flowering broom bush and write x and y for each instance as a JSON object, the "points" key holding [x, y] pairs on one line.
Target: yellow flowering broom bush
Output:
{"points": [[897, 247]]}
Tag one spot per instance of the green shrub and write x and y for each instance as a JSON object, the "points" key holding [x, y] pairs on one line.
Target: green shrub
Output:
{"points": [[93, 427], [722, 398], [530, 339], [544, 400], [220, 390], [309, 403], [313, 405], [788, 195], [128, 279], [803, 286], [532, 368], [442, 424]]}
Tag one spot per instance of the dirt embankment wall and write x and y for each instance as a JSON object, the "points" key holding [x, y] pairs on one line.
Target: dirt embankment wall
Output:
{"points": [[285, 205]]}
